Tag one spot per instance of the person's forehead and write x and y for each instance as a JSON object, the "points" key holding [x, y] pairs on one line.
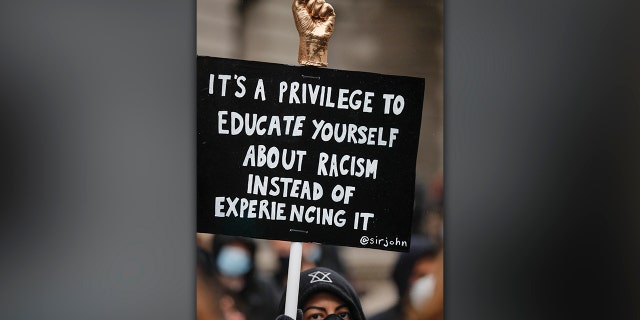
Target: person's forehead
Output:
{"points": [[236, 244], [424, 265], [324, 297]]}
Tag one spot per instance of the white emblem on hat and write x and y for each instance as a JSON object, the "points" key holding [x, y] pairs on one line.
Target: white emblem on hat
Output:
{"points": [[320, 276]]}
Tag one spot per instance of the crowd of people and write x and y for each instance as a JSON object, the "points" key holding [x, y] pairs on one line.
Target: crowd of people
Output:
{"points": [[229, 286]]}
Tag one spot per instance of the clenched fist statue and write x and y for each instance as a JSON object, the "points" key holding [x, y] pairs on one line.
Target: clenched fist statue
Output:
{"points": [[314, 21]]}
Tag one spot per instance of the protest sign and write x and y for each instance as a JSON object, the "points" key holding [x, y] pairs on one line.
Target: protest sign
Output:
{"points": [[306, 154]]}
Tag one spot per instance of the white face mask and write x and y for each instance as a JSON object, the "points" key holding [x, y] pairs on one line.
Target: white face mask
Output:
{"points": [[422, 290]]}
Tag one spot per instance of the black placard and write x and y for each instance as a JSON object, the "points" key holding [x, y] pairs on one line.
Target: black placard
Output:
{"points": [[306, 154]]}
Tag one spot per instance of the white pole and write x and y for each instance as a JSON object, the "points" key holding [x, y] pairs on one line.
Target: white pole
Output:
{"points": [[316, 57], [293, 280]]}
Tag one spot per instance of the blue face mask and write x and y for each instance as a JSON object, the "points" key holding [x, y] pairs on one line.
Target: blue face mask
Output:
{"points": [[233, 261], [313, 254]]}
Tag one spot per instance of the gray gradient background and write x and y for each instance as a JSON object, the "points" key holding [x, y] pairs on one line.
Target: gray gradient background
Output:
{"points": [[542, 165]]}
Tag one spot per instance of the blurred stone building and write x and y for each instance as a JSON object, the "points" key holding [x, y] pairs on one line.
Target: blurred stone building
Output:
{"points": [[400, 37]]}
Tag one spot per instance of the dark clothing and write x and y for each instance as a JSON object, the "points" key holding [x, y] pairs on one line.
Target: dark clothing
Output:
{"points": [[257, 300], [321, 279], [393, 313]]}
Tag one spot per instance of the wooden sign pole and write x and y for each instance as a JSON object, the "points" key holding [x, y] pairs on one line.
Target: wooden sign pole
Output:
{"points": [[314, 21]]}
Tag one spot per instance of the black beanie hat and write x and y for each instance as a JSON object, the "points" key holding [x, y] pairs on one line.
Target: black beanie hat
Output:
{"points": [[320, 279]]}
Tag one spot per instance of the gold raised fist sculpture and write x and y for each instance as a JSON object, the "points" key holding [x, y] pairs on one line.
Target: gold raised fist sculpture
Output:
{"points": [[314, 20]]}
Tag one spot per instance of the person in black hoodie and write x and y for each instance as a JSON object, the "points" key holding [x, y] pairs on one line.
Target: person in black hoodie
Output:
{"points": [[244, 291], [325, 294]]}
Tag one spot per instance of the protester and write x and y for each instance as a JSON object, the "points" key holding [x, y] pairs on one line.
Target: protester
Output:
{"points": [[413, 275], [433, 308], [244, 290], [325, 294]]}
